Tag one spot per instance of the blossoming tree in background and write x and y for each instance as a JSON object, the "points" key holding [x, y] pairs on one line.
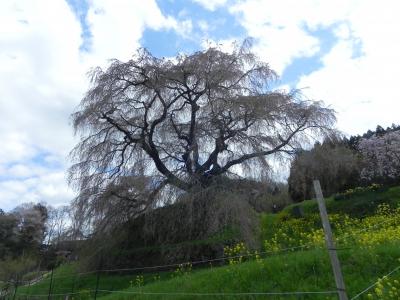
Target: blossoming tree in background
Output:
{"points": [[381, 156]]}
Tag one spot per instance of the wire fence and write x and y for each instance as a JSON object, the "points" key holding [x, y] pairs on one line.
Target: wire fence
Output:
{"points": [[254, 294], [173, 265], [200, 262], [167, 267], [93, 292], [375, 283]]}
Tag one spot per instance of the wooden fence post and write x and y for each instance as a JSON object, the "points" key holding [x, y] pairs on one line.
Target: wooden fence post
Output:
{"points": [[15, 288], [73, 284], [51, 283], [98, 277], [337, 272]]}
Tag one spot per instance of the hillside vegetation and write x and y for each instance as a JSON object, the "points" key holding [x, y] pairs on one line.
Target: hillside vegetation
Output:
{"points": [[367, 231]]}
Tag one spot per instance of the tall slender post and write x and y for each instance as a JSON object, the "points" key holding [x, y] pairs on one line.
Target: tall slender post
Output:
{"points": [[15, 288], [337, 272], [98, 278], [73, 285], [51, 283], [29, 289], [97, 284]]}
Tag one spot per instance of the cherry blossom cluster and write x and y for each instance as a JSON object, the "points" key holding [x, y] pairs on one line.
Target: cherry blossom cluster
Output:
{"points": [[381, 156]]}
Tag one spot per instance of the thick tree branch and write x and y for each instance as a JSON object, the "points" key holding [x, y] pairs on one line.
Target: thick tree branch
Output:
{"points": [[245, 157]]}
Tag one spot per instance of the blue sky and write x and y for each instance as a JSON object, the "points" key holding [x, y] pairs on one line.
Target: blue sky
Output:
{"points": [[167, 43], [343, 52], [221, 25]]}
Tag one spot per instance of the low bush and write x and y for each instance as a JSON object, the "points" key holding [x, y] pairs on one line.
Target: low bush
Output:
{"points": [[357, 191]]}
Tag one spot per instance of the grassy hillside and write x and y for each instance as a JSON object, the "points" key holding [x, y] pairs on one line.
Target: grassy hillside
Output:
{"points": [[67, 279], [366, 225], [295, 271], [358, 202], [298, 271]]}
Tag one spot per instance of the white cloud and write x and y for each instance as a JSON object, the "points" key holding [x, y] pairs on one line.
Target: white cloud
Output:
{"points": [[117, 29], [362, 88], [50, 188], [203, 25], [43, 78], [282, 28], [227, 45], [13, 143], [211, 4], [19, 170], [359, 74], [278, 30]]}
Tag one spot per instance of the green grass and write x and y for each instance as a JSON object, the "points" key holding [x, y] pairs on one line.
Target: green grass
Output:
{"points": [[359, 205], [66, 279], [298, 271], [307, 270], [295, 271]]}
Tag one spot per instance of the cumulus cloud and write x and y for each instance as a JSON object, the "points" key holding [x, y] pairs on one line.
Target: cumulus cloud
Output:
{"points": [[49, 187], [117, 29], [43, 78], [211, 4], [278, 30], [227, 45], [40, 78], [358, 75]]}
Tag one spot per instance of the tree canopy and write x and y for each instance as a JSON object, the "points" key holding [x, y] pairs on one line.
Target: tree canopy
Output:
{"points": [[151, 123], [333, 163]]}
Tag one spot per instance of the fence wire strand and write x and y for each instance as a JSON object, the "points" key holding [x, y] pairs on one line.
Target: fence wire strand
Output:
{"points": [[375, 283], [191, 294], [216, 259], [223, 294], [228, 257], [197, 262], [223, 258]]}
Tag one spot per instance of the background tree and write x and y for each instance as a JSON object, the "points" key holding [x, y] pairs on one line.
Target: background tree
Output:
{"points": [[22, 232], [57, 224], [333, 162], [149, 125], [381, 156], [8, 238], [31, 226]]}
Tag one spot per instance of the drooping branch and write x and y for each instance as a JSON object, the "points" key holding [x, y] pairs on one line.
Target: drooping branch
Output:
{"points": [[278, 148], [187, 120]]}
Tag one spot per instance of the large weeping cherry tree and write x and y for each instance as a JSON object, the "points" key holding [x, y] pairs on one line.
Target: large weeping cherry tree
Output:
{"points": [[153, 124]]}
